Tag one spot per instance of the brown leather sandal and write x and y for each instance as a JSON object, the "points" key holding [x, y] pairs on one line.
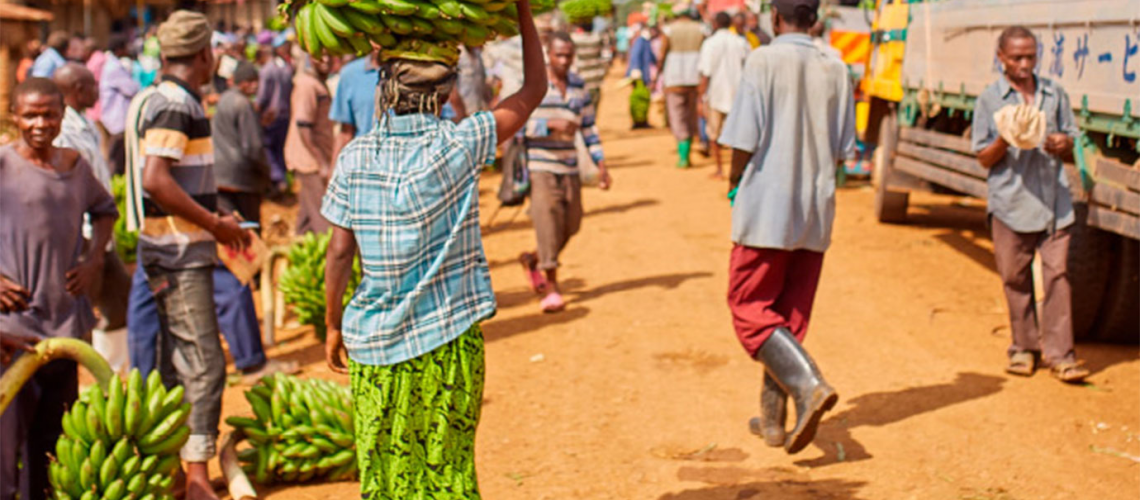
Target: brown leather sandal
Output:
{"points": [[1070, 372], [1022, 363]]}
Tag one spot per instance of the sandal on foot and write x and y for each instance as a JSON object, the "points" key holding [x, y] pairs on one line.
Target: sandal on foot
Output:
{"points": [[534, 277], [1021, 363], [553, 302], [1070, 372]]}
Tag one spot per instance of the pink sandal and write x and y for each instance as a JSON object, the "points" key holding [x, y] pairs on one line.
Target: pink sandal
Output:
{"points": [[537, 281], [553, 303]]}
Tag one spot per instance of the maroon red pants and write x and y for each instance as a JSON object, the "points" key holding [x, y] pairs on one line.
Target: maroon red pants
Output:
{"points": [[770, 288]]}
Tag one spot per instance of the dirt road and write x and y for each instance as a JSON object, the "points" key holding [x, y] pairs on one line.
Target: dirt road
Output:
{"points": [[639, 389]]}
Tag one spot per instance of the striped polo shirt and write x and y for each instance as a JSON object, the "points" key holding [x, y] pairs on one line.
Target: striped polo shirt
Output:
{"points": [[589, 62], [553, 152], [173, 125]]}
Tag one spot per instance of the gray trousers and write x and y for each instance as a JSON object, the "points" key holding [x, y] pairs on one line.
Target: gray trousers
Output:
{"points": [[30, 427], [190, 351], [309, 218], [681, 105], [1053, 334], [556, 210]]}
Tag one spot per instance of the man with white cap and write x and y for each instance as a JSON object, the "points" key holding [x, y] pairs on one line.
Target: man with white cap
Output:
{"points": [[181, 228], [792, 124]]}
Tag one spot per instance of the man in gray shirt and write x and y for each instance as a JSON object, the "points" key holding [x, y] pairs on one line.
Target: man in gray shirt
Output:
{"points": [[1030, 208], [792, 123], [240, 166]]}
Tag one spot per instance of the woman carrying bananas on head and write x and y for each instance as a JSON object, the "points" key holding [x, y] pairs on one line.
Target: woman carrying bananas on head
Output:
{"points": [[406, 195]]}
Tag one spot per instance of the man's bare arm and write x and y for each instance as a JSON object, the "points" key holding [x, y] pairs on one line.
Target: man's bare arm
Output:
{"points": [[513, 112], [347, 132], [740, 159], [164, 190], [993, 153]]}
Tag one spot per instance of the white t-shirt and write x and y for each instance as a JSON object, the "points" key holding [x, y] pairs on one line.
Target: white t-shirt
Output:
{"points": [[722, 60]]}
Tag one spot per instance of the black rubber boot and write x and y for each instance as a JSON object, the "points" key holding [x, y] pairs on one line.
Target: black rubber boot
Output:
{"points": [[794, 370], [773, 418]]}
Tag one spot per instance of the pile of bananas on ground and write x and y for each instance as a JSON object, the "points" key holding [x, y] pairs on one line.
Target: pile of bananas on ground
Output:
{"points": [[302, 430], [303, 282], [423, 30], [122, 445]]}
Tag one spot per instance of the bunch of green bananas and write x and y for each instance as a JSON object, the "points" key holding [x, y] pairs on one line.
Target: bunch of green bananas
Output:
{"points": [[303, 282], [585, 10], [428, 30], [122, 445], [126, 241], [302, 429], [541, 6]]}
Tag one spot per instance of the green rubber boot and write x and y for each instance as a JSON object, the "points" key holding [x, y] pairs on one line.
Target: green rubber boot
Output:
{"points": [[683, 149]]}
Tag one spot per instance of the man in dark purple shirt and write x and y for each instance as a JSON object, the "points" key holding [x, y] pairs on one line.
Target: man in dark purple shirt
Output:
{"points": [[274, 92], [46, 273]]}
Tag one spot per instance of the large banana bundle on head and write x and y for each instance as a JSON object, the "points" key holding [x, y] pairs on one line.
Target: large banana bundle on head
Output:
{"points": [[301, 430], [425, 30], [123, 444], [577, 11]]}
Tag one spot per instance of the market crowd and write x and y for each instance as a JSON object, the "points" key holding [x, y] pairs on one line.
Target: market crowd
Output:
{"points": [[193, 127]]}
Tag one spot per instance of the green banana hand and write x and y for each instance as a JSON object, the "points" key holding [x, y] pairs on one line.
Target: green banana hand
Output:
{"points": [[305, 28], [165, 428], [363, 22], [168, 445], [113, 418], [398, 7], [360, 44], [398, 25], [335, 20], [133, 412], [325, 34], [367, 7], [108, 471]]}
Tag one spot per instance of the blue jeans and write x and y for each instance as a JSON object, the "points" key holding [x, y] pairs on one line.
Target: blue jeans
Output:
{"points": [[237, 319]]}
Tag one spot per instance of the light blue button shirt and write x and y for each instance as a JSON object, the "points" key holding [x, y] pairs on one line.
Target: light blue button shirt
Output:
{"points": [[46, 63], [409, 191], [794, 111], [355, 100], [1028, 189]]}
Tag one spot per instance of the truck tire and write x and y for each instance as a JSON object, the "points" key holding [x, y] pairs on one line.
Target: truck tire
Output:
{"points": [[1091, 253], [890, 206], [1119, 318]]}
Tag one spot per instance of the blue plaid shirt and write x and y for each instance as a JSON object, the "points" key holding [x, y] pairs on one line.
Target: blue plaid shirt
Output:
{"points": [[409, 191]]}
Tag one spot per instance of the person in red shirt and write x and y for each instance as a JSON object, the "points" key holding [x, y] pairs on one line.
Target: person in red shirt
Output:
{"points": [[32, 50]]}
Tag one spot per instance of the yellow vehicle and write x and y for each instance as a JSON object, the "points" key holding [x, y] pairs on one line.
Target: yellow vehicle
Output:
{"points": [[931, 59]]}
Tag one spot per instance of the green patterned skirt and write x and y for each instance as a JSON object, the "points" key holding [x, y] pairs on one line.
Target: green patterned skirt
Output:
{"points": [[415, 423]]}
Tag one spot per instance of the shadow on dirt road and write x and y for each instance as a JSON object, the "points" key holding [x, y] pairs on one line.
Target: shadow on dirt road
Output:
{"points": [[883, 408], [737, 483]]}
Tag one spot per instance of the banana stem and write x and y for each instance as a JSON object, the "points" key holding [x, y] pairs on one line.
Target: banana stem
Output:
{"points": [[268, 303], [238, 483], [47, 351]]}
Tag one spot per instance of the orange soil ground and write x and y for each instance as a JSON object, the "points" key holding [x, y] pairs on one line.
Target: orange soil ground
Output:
{"points": [[639, 389]]}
